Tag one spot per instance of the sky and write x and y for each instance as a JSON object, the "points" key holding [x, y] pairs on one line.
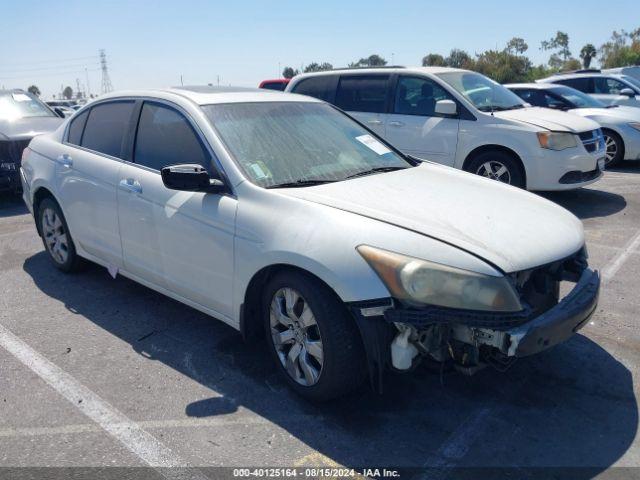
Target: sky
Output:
{"points": [[152, 44]]}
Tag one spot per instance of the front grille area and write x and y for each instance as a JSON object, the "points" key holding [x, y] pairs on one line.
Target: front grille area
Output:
{"points": [[11, 150], [592, 140], [576, 176]]}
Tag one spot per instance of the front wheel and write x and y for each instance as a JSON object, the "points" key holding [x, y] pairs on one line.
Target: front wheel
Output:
{"points": [[314, 341], [614, 148], [499, 166]]}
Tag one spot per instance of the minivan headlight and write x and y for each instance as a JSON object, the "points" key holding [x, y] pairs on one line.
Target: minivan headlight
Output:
{"points": [[421, 282], [557, 140]]}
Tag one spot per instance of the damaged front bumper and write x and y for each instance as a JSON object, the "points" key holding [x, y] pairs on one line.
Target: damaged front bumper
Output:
{"points": [[513, 334]]}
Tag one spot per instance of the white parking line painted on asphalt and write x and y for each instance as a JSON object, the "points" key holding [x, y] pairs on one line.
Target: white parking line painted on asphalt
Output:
{"points": [[611, 268], [139, 442]]}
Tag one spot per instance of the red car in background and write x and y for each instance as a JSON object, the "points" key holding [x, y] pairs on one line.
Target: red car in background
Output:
{"points": [[275, 84]]}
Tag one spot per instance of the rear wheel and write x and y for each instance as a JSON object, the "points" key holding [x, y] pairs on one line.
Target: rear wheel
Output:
{"points": [[614, 148], [499, 166], [56, 237], [313, 340]]}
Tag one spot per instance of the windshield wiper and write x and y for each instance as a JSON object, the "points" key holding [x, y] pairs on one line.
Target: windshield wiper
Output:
{"points": [[612, 106], [375, 170], [301, 183]]}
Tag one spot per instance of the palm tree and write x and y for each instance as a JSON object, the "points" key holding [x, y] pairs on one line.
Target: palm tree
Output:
{"points": [[587, 54]]}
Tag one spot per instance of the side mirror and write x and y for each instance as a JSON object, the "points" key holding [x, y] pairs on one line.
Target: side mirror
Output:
{"points": [[59, 112], [627, 92], [446, 107], [190, 178]]}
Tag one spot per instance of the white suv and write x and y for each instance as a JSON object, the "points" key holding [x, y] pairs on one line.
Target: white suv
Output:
{"points": [[609, 88], [465, 120]]}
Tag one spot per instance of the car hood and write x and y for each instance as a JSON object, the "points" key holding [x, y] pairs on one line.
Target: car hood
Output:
{"points": [[613, 115], [510, 228], [549, 119], [24, 128]]}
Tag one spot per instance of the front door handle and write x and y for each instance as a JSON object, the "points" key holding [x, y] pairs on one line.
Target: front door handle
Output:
{"points": [[130, 185], [396, 123], [65, 160], [375, 122]]}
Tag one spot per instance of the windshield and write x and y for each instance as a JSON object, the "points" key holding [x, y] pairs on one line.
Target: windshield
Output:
{"points": [[485, 94], [14, 105], [577, 98], [279, 143], [633, 81]]}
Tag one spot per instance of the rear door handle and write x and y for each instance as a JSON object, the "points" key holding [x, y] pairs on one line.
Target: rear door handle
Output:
{"points": [[65, 160], [375, 122], [130, 185], [396, 123]]}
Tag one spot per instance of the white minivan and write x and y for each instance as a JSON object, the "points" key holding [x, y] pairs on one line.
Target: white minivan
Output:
{"points": [[465, 120]]}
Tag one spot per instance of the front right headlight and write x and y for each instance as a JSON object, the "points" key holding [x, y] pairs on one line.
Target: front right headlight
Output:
{"points": [[557, 140], [421, 282]]}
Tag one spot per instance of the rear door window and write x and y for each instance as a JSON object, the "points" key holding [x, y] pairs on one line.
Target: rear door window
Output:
{"points": [[321, 86], [107, 126], [165, 137], [363, 93]]}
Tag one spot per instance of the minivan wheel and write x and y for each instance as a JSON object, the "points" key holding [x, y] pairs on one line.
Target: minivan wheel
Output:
{"points": [[614, 148], [56, 237], [312, 337], [498, 166]]}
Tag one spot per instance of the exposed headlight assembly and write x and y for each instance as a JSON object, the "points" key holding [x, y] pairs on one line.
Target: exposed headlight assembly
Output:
{"points": [[420, 282], [557, 140], [635, 125]]}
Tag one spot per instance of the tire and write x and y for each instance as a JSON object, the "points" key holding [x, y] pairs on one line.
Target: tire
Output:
{"points": [[56, 237], [336, 363], [614, 148], [499, 166]]}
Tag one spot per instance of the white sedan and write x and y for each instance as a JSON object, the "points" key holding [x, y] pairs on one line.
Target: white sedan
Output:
{"points": [[620, 124], [283, 217]]}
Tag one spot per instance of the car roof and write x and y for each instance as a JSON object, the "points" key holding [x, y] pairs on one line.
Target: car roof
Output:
{"points": [[369, 70], [535, 86], [206, 95]]}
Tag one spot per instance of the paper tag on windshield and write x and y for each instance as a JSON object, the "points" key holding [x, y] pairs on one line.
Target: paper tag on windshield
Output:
{"points": [[373, 144], [258, 171], [21, 97]]}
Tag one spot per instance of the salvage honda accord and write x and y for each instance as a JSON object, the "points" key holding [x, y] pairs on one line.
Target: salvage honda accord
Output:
{"points": [[280, 215]]}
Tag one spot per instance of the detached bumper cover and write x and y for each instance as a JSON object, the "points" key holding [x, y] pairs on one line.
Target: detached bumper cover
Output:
{"points": [[559, 323]]}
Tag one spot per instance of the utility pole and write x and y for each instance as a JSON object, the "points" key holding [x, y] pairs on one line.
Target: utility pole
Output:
{"points": [[78, 92], [86, 74], [106, 81]]}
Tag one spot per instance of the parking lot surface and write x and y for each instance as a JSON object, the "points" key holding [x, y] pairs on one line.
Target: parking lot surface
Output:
{"points": [[97, 372]]}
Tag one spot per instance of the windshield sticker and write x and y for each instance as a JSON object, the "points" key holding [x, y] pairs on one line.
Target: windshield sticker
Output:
{"points": [[373, 144], [258, 171], [21, 97]]}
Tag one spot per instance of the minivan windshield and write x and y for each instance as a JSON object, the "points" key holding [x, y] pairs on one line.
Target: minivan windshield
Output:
{"points": [[15, 105], [289, 144], [485, 94], [577, 98]]}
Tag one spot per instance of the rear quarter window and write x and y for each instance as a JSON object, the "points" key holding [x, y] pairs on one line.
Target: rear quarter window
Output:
{"points": [[76, 127]]}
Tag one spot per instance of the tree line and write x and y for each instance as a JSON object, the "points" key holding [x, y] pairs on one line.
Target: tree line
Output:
{"points": [[511, 64]]}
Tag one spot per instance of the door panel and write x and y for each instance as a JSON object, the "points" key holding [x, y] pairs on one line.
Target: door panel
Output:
{"points": [[182, 241], [415, 128]]}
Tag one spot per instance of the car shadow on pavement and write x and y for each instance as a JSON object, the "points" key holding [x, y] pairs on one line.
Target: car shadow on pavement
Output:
{"points": [[587, 202], [12, 205], [572, 406], [628, 166]]}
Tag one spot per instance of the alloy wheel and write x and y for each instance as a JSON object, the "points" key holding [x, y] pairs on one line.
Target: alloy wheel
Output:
{"points": [[611, 149], [495, 170], [55, 236], [296, 336]]}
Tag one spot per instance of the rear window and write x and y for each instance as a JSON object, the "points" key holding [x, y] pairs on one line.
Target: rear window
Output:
{"points": [[280, 86], [106, 127], [321, 87], [363, 93]]}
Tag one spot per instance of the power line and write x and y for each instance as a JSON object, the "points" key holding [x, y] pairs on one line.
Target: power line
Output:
{"points": [[38, 62], [57, 74], [56, 67]]}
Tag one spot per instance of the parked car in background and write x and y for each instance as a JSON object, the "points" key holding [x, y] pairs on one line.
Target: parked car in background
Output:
{"points": [[620, 125], [630, 71], [181, 189], [277, 84], [465, 120], [64, 110], [609, 88], [22, 116]]}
